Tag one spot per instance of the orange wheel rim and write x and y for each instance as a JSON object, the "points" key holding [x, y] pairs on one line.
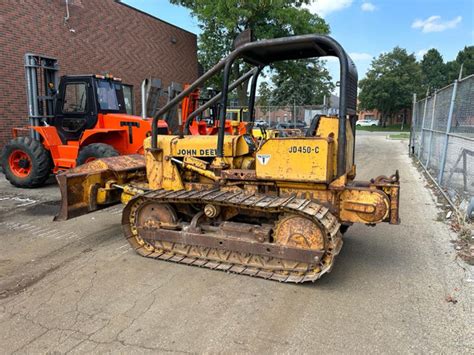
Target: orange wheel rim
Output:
{"points": [[20, 163]]}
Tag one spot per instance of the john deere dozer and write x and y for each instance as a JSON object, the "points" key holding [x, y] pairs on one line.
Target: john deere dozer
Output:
{"points": [[273, 209]]}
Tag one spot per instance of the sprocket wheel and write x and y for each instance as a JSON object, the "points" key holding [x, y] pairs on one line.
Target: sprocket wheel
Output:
{"points": [[299, 232]]}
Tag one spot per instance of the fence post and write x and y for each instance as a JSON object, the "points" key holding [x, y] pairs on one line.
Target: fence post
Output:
{"points": [[294, 112], [431, 130], [422, 132], [448, 130], [411, 146]]}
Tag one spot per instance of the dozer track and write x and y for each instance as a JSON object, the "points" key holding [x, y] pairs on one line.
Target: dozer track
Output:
{"points": [[287, 249]]}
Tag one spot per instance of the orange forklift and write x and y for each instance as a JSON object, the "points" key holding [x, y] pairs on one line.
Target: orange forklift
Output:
{"points": [[85, 118], [89, 117]]}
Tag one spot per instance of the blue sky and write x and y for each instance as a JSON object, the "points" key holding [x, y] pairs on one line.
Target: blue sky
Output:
{"points": [[367, 28]]}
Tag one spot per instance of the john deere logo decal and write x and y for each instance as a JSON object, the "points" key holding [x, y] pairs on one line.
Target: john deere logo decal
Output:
{"points": [[264, 158]]}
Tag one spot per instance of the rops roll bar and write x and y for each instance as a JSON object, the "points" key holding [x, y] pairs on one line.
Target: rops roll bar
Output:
{"points": [[262, 53]]}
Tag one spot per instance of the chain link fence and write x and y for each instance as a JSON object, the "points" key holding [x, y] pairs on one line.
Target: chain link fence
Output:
{"points": [[300, 115], [442, 139]]}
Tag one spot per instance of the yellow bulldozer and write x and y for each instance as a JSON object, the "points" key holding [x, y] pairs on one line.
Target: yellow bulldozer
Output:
{"points": [[274, 208]]}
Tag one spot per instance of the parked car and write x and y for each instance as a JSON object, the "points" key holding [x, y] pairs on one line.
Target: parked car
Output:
{"points": [[261, 123], [291, 125], [367, 123]]}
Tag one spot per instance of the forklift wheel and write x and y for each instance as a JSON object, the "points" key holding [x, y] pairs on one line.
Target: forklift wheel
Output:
{"points": [[95, 151], [26, 163]]}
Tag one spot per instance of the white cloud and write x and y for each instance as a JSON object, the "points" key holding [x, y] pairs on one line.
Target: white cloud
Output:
{"points": [[435, 24], [325, 7], [421, 53], [360, 56], [331, 59], [367, 6]]}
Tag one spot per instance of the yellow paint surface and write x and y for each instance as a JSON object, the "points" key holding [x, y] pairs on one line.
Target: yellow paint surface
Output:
{"points": [[295, 159]]}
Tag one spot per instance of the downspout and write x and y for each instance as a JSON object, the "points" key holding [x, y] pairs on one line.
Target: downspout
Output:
{"points": [[67, 12]]}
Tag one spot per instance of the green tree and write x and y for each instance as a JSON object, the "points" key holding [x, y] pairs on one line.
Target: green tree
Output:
{"points": [[221, 21], [465, 58], [390, 83], [302, 83], [264, 96], [452, 71], [433, 71]]}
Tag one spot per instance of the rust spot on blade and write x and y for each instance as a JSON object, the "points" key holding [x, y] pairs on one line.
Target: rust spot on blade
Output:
{"points": [[120, 163]]}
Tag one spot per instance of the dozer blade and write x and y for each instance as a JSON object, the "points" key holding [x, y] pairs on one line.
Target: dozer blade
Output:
{"points": [[92, 186]]}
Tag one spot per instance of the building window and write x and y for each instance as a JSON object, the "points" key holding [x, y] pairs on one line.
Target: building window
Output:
{"points": [[75, 98]]}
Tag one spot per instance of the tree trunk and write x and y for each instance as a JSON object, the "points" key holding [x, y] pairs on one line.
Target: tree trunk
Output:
{"points": [[242, 93], [383, 119], [242, 88]]}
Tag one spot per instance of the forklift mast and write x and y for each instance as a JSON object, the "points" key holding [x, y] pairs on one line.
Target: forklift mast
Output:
{"points": [[41, 73]]}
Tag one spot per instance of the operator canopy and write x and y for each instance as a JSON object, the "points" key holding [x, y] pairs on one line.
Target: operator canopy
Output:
{"points": [[265, 52], [268, 51]]}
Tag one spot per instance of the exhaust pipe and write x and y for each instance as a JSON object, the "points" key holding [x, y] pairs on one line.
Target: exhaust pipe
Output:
{"points": [[143, 90]]}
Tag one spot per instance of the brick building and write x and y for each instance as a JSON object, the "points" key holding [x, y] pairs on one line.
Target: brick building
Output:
{"points": [[369, 115], [99, 36]]}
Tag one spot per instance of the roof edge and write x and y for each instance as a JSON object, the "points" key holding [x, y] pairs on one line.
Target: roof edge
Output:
{"points": [[153, 17]]}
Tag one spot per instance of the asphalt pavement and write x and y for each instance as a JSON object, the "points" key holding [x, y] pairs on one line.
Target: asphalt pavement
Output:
{"points": [[76, 286]]}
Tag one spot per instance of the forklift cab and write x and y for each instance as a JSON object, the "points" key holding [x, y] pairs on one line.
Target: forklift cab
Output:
{"points": [[72, 120], [80, 99]]}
